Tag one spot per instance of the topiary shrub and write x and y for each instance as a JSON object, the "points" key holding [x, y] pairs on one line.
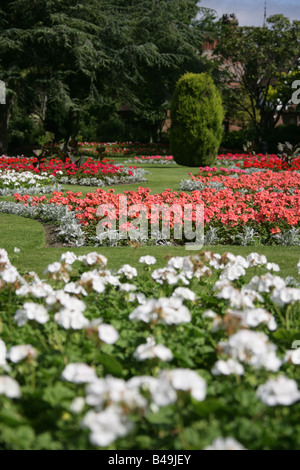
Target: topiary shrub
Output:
{"points": [[197, 115]]}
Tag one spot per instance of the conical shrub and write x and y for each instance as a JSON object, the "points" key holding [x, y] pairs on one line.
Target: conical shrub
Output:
{"points": [[197, 115]]}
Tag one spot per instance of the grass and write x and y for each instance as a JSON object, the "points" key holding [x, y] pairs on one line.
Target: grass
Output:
{"points": [[29, 236]]}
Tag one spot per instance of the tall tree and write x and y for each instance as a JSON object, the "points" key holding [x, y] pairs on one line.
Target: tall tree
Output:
{"points": [[258, 66]]}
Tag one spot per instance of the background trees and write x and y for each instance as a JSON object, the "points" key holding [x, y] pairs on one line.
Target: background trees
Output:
{"points": [[258, 66], [71, 64]]}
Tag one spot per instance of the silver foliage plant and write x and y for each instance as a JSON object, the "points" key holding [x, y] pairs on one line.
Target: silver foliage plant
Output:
{"points": [[69, 229]]}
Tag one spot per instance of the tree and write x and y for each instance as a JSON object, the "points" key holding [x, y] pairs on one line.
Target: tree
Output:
{"points": [[197, 117], [70, 54], [257, 66]]}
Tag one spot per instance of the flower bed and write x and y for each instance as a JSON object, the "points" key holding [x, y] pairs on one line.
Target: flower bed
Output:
{"points": [[26, 182], [259, 162], [261, 208], [92, 359], [90, 173], [153, 159]]}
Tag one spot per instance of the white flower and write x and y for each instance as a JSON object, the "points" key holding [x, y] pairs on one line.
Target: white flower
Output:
{"points": [[93, 258], [292, 356], [252, 348], [2, 353], [273, 267], [233, 272], [53, 268], [279, 391], [286, 295], [108, 333], [168, 275], [265, 282], [128, 271], [107, 425], [31, 311], [17, 250], [254, 259], [170, 311], [10, 275], [79, 373], [227, 368], [147, 260], [254, 317], [187, 380], [4, 259], [75, 288], [71, 319], [127, 287], [151, 350], [18, 353], [69, 257], [9, 387], [77, 405], [227, 443], [209, 314], [184, 293]]}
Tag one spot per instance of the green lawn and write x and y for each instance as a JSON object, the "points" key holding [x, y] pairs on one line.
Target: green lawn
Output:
{"points": [[29, 236]]}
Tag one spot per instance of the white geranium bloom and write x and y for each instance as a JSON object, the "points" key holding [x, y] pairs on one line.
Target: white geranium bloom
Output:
{"points": [[292, 356], [69, 257], [9, 387], [184, 293], [2, 353], [77, 405], [127, 287], [285, 296], [18, 353], [279, 391], [93, 258], [273, 267], [107, 425], [233, 272], [115, 391], [255, 316], [266, 282], [254, 259], [168, 275], [150, 350], [31, 311], [147, 260], [128, 271], [187, 380], [71, 319], [227, 443], [107, 333], [227, 368], [170, 311], [10, 275], [75, 288], [252, 348], [79, 373], [53, 268], [4, 259], [94, 280], [209, 314], [237, 298]]}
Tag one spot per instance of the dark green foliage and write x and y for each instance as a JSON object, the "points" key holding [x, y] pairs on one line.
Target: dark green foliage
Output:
{"points": [[197, 115]]}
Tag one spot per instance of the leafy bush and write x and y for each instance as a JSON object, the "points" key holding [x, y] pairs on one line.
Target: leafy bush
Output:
{"points": [[197, 115]]}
